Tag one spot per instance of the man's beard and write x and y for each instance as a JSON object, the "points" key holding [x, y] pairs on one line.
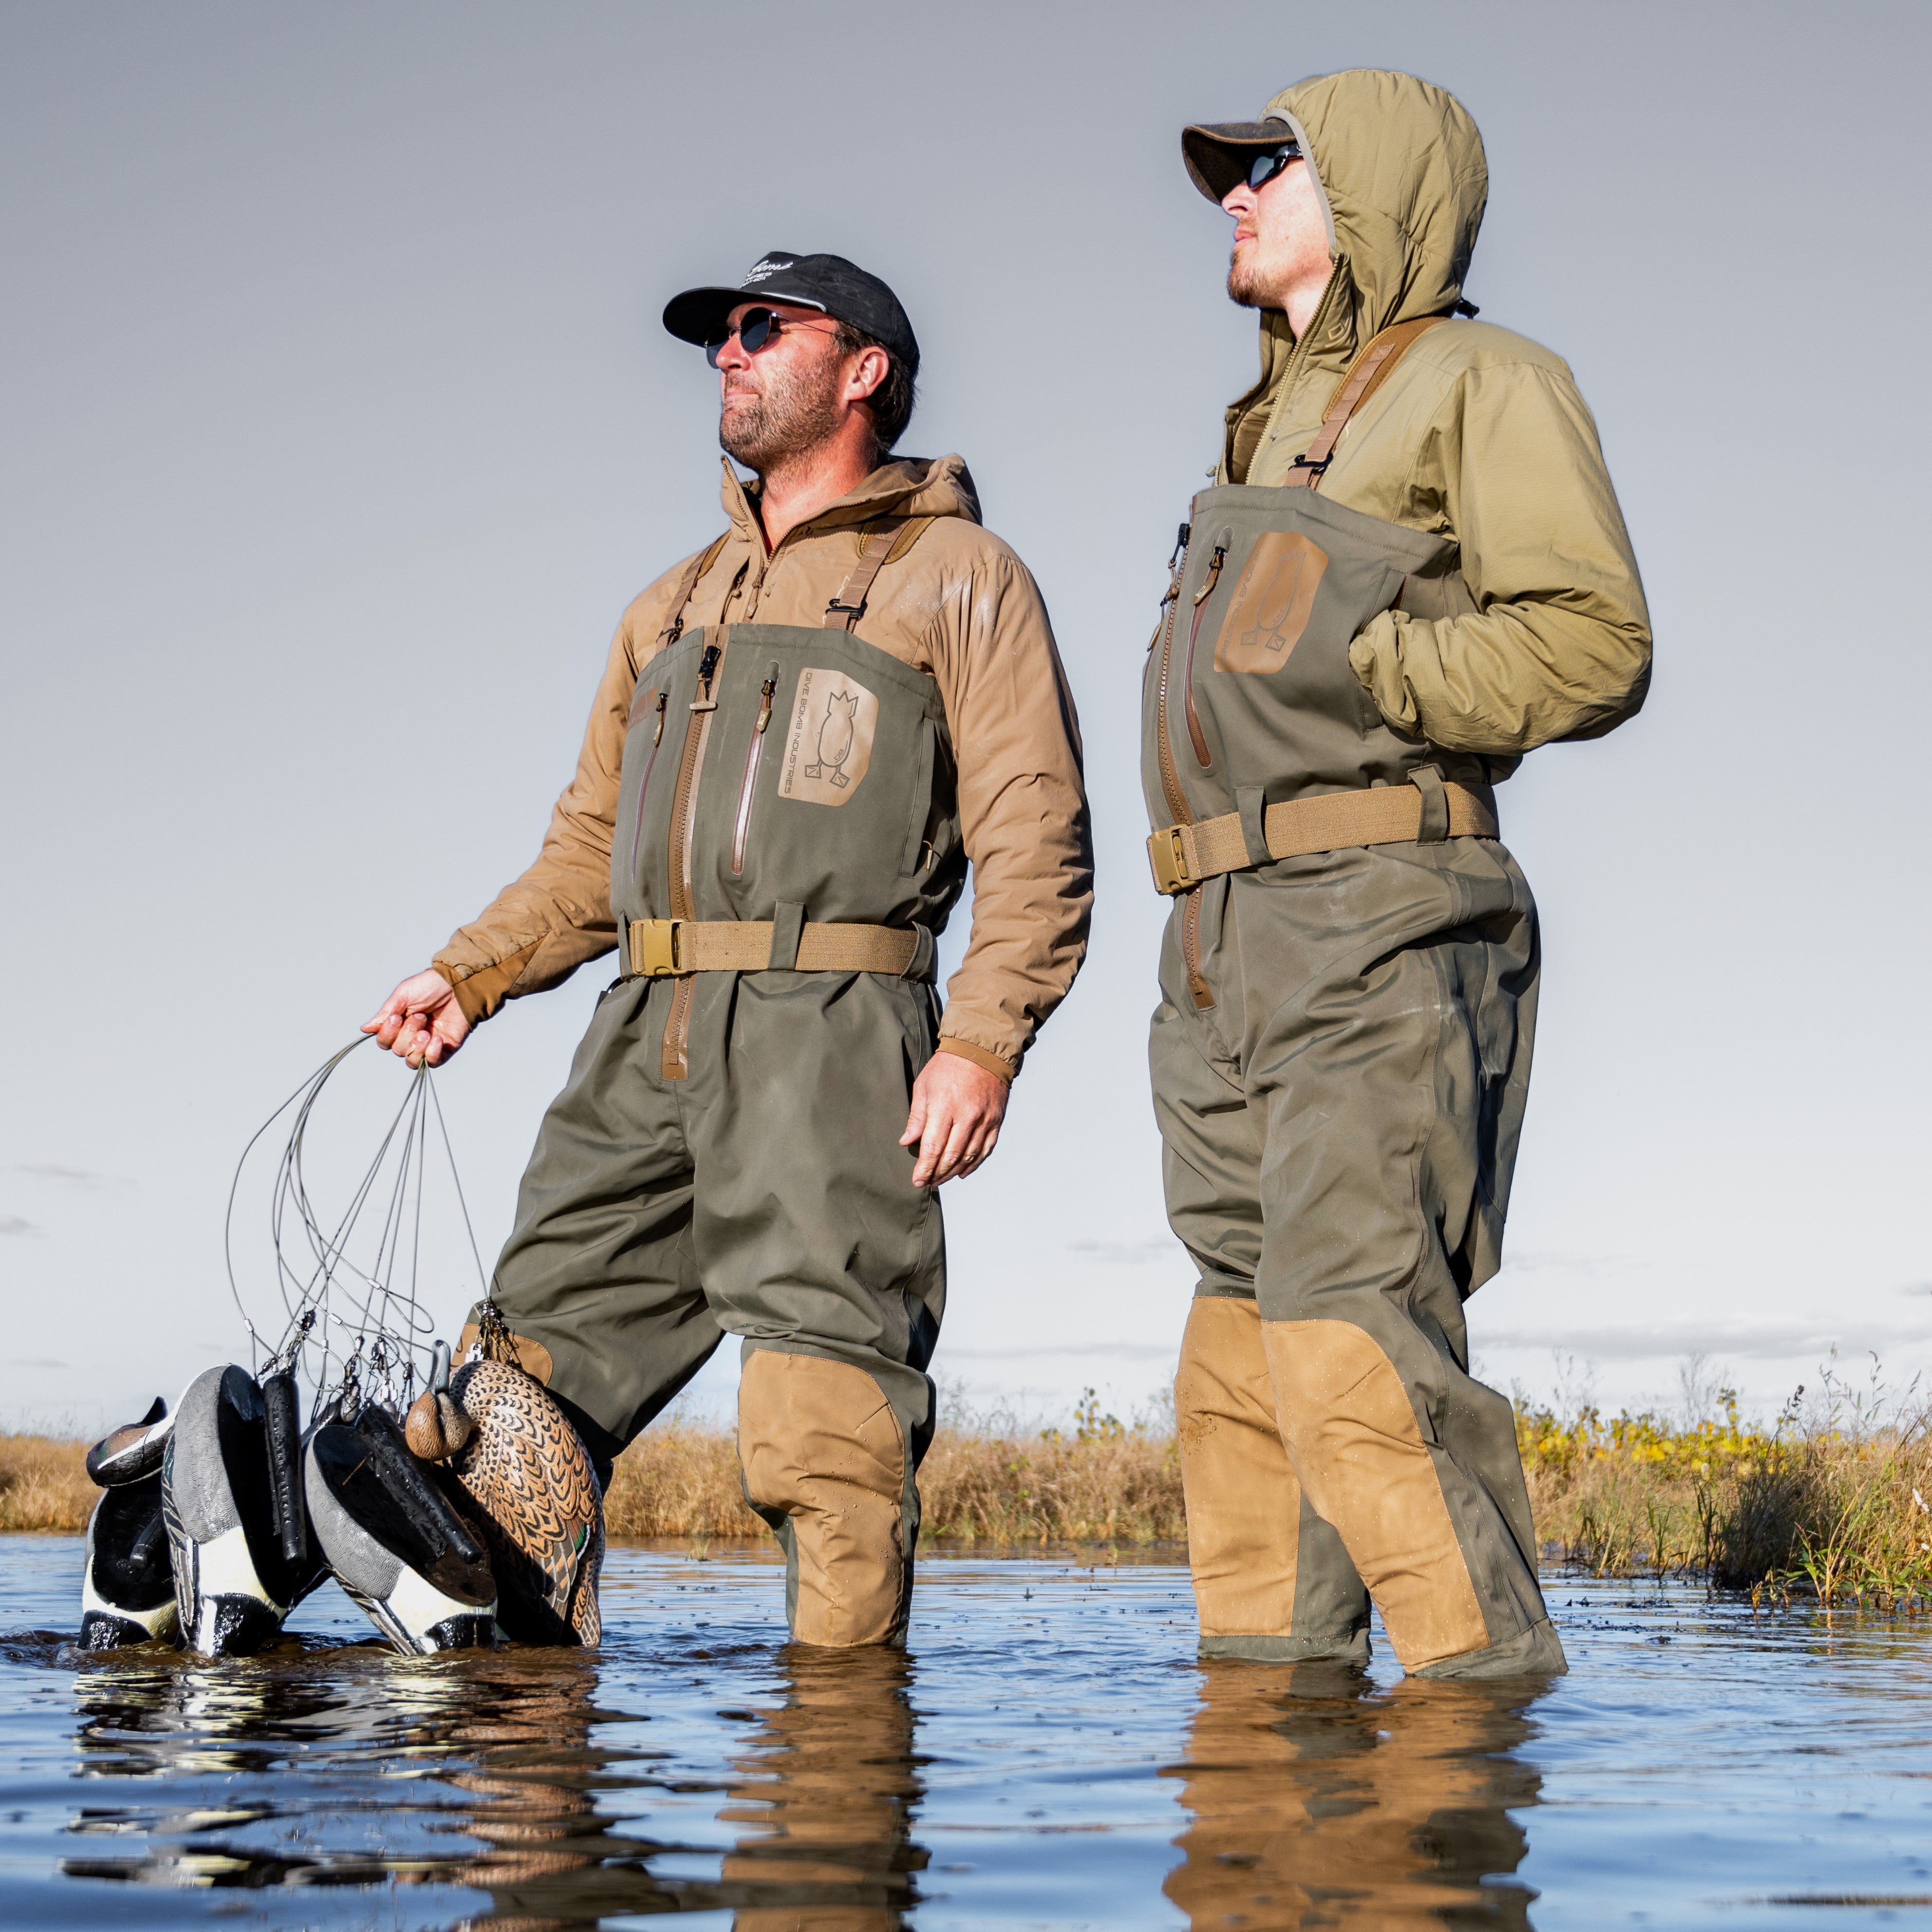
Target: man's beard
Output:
{"points": [[795, 408], [1244, 285]]}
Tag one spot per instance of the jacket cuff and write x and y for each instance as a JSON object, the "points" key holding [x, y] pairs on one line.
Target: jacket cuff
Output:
{"points": [[481, 994], [992, 1062], [1374, 656]]}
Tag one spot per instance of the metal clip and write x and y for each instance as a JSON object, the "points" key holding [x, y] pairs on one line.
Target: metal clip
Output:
{"points": [[653, 944], [1167, 856]]}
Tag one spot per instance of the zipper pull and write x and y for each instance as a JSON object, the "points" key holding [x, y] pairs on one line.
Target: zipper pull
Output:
{"points": [[707, 666], [1214, 563], [1177, 563], [765, 690], [657, 735]]}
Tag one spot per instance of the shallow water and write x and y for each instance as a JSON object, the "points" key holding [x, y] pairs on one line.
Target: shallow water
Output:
{"points": [[1047, 1753]]}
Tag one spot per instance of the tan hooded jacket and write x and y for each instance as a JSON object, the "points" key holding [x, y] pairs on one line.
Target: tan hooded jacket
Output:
{"points": [[958, 605], [1478, 434]]}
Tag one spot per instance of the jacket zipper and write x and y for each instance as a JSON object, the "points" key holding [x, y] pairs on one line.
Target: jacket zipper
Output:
{"points": [[1200, 597], [753, 753], [674, 1063], [644, 783], [1170, 778], [1170, 782]]}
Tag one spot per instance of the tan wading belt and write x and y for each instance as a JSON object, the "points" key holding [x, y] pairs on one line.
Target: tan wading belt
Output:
{"points": [[1425, 810], [681, 945]]}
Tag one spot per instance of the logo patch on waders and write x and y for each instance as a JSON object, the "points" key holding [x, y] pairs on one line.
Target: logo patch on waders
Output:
{"points": [[1272, 603], [829, 742]]}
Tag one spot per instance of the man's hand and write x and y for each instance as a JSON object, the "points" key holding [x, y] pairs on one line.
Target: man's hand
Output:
{"points": [[420, 1021], [956, 1111]]}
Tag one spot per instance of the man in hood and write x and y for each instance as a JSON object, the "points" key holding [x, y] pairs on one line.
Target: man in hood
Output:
{"points": [[1410, 571], [804, 734]]}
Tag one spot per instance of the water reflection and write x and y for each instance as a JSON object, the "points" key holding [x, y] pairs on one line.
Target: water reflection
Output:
{"points": [[830, 1785], [360, 1771], [1319, 1799]]}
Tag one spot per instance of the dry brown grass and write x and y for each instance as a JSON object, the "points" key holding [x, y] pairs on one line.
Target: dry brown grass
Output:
{"points": [[1832, 1500], [43, 1484], [1103, 1483]]}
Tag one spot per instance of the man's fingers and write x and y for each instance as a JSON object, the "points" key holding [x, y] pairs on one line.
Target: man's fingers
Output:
{"points": [[933, 1125], [957, 1133], [915, 1126]]}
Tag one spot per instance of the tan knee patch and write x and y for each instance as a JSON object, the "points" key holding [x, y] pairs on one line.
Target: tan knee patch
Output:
{"points": [[1348, 1425], [820, 1443], [1243, 1503], [532, 1358]]}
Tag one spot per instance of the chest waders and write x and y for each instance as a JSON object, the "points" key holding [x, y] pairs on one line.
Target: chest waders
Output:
{"points": [[1339, 1060], [725, 1156]]}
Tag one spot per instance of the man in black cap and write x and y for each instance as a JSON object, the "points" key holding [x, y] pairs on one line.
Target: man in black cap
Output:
{"points": [[804, 734]]}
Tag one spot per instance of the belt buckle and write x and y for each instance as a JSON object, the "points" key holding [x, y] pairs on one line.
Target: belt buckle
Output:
{"points": [[654, 949], [1168, 858]]}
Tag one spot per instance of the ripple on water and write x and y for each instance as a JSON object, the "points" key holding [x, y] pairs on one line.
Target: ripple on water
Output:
{"points": [[1047, 1752]]}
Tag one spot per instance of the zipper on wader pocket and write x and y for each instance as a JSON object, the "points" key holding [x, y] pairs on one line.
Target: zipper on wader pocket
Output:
{"points": [[753, 754], [644, 783], [1200, 597], [674, 1064], [1170, 783]]}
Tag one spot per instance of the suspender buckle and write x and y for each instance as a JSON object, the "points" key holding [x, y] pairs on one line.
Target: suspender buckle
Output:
{"points": [[1168, 857], [651, 949]]}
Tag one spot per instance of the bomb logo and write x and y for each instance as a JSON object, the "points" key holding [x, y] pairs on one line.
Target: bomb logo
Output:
{"points": [[829, 742], [835, 739]]}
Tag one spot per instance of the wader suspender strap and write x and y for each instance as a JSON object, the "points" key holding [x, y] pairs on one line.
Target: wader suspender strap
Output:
{"points": [[673, 627], [1372, 368], [842, 614]]}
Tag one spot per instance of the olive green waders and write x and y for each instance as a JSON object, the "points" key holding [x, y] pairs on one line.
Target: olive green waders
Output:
{"points": [[725, 1156], [1340, 1060]]}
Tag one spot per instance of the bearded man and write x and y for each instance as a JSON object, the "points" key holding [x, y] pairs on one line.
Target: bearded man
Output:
{"points": [[1410, 571], [804, 734]]}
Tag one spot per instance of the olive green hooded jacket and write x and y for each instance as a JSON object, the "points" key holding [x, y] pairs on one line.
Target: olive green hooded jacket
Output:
{"points": [[1478, 434]]}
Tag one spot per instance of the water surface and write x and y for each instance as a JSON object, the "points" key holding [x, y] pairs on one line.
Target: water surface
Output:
{"points": [[1047, 1752]]}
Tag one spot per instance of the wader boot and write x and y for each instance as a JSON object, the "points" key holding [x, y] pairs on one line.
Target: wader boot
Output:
{"points": [[1340, 1061], [725, 1156]]}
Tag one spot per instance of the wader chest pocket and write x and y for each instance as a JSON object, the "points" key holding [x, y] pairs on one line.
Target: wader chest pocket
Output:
{"points": [[1272, 600]]}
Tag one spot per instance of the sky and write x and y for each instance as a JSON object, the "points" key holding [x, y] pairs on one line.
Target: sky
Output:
{"points": [[339, 427]]}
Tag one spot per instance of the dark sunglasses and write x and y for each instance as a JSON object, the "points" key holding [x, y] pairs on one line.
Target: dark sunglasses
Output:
{"points": [[757, 328], [1264, 168]]}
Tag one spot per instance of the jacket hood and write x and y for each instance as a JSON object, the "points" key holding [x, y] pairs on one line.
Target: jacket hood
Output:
{"points": [[1403, 182], [906, 486]]}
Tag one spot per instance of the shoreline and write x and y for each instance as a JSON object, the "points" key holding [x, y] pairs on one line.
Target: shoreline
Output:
{"points": [[1830, 1506]]}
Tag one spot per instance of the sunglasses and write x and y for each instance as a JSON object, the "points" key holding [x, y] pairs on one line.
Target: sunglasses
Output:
{"points": [[1264, 168], [755, 330]]}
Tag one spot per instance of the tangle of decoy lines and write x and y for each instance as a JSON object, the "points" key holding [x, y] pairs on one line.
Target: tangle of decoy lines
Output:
{"points": [[385, 1319]]}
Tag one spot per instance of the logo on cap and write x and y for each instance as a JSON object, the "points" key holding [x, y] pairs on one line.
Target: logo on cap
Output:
{"points": [[758, 271]]}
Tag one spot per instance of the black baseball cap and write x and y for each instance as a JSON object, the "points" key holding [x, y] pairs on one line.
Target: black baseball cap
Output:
{"points": [[1219, 153], [827, 283]]}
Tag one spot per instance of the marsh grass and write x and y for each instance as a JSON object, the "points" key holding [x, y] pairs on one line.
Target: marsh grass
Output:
{"points": [[43, 1484], [1832, 1500], [999, 1480], [1829, 1500]]}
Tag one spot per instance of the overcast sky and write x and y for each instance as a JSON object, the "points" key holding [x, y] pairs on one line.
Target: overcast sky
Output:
{"points": [[338, 428]]}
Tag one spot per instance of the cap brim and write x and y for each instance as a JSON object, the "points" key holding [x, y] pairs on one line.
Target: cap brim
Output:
{"points": [[1218, 153], [699, 315]]}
